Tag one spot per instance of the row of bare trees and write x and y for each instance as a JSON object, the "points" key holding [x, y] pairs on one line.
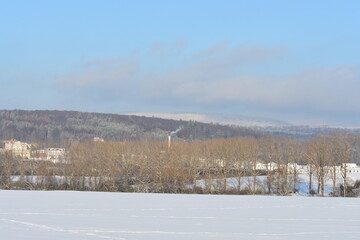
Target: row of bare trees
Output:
{"points": [[214, 166]]}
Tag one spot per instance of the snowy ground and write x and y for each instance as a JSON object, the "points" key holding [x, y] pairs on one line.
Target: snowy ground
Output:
{"points": [[93, 215]]}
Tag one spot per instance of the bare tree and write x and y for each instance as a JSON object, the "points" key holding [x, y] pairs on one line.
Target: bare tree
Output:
{"points": [[318, 155], [343, 154], [6, 163]]}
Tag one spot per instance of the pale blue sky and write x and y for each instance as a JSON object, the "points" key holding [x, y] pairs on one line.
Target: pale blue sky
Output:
{"points": [[296, 61]]}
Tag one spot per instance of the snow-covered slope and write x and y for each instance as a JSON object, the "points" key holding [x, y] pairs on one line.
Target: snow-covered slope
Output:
{"points": [[226, 119], [276, 127], [93, 215]]}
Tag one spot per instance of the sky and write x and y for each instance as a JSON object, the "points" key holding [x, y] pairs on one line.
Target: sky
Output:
{"points": [[295, 61]]}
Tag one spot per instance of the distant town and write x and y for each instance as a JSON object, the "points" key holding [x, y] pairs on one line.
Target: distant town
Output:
{"points": [[29, 152], [108, 152]]}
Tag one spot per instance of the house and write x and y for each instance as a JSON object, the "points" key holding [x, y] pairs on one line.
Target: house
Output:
{"points": [[98, 139], [54, 155], [17, 148], [351, 167]]}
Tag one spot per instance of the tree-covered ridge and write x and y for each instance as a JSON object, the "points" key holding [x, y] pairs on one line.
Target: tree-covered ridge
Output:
{"points": [[59, 126]]}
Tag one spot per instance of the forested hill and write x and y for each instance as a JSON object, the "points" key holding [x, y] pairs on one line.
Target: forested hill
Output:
{"points": [[59, 126]]}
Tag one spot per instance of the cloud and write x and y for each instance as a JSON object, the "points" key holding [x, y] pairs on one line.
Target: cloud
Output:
{"points": [[100, 72], [203, 80], [202, 74], [214, 50], [241, 54], [218, 77], [160, 49], [329, 89]]}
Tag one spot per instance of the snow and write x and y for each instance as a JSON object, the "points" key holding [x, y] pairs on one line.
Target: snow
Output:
{"points": [[95, 215], [302, 185], [227, 119]]}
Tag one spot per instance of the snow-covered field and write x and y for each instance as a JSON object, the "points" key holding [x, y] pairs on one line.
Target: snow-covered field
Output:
{"points": [[94, 215]]}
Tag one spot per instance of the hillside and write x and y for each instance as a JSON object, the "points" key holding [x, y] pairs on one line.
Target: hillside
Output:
{"points": [[270, 126], [221, 118], [59, 126]]}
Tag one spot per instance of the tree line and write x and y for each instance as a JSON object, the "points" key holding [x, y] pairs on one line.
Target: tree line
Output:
{"points": [[198, 166], [57, 127]]}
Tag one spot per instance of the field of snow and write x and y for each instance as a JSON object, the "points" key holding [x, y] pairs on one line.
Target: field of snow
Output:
{"points": [[93, 215]]}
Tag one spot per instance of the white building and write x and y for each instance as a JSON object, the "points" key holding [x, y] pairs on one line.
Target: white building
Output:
{"points": [[54, 155], [305, 169], [17, 148], [98, 139]]}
